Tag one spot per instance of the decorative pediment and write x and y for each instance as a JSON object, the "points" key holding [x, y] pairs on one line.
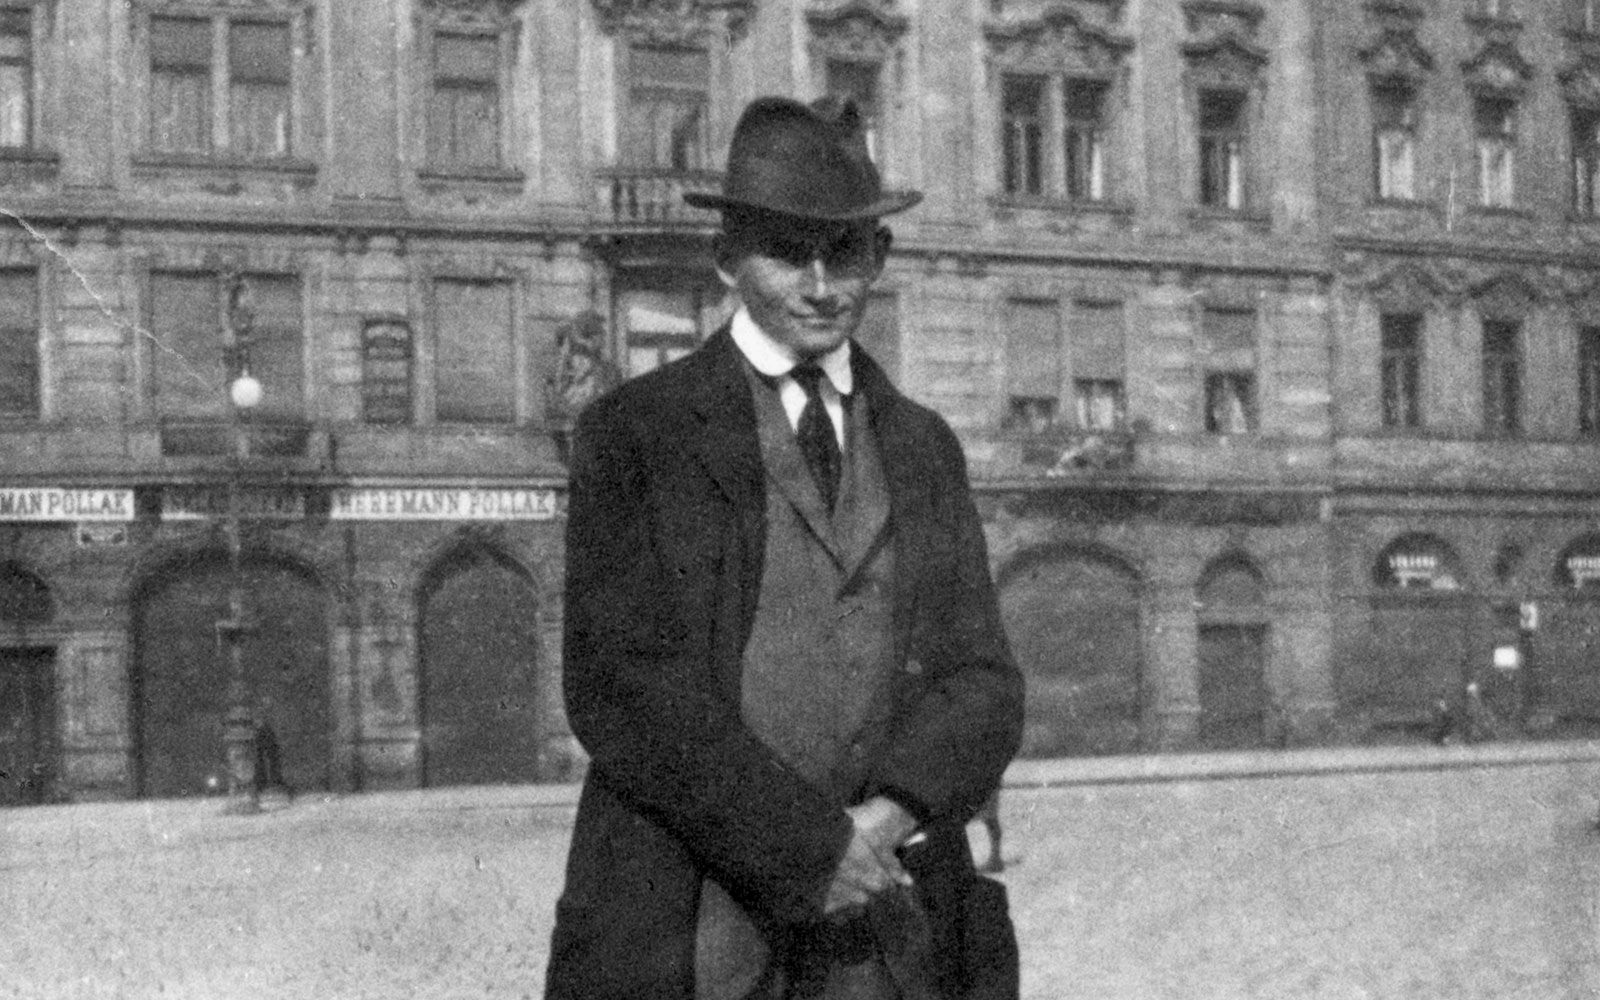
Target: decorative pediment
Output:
{"points": [[669, 22], [1506, 296], [858, 27], [1397, 55], [1407, 287], [469, 13], [1580, 84], [1497, 67], [1226, 61], [1059, 37], [1217, 18]]}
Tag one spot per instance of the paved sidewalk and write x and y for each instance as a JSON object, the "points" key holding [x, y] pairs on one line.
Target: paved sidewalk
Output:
{"points": [[1329, 877]]}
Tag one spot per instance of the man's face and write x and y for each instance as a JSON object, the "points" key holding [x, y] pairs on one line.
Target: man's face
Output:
{"points": [[804, 282]]}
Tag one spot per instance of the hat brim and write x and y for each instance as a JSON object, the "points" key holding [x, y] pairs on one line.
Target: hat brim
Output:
{"points": [[887, 204]]}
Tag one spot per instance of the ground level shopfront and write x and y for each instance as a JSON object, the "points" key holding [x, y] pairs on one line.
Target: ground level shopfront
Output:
{"points": [[394, 636]]}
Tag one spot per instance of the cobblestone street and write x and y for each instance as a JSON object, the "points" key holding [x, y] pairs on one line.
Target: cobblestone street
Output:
{"points": [[1466, 883]]}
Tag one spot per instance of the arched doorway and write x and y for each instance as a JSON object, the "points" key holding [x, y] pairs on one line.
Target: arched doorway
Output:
{"points": [[480, 682], [181, 672], [28, 744], [1073, 621], [1562, 640], [1419, 648], [1234, 698]]}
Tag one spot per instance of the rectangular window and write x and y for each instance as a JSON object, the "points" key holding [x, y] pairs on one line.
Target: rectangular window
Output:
{"points": [[1097, 365], [1085, 106], [665, 125], [659, 326], [1222, 148], [1495, 122], [16, 78], [1585, 161], [1502, 378], [1589, 380], [474, 373], [1022, 115], [1229, 345], [1400, 365], [858, 81], [1033, 365], [190, 355], [258, 89], [180, 84], [19, 344], [386, 359], [1394, 128], [464, 102]]}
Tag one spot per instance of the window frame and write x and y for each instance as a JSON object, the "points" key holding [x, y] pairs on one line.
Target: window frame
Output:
{"points": [[1503, 382], [425, 376], [1058, 181], [431, 22], [1584, 162], [1235, 195], [1497, 184], [631, 89], [1406, 98], [875, 118], [220, 150], [1400, 371], [1588, 335], [34, 413]]}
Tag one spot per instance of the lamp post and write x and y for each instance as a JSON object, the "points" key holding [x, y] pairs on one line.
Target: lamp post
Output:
{"points": [[244, 395]]}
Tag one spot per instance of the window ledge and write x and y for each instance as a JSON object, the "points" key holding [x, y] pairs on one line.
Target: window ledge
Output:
{"points": [[204, 162], [471, 175], [1500, 212], [1057, 204], [1244, 215], [29, 155], [1401, 204]]}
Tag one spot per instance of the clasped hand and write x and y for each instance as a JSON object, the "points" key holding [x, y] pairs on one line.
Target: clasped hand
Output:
{"points": [[870, 866]]}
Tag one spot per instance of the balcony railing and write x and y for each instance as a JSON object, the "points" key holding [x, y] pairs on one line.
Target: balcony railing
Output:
{"points": [[1075, 452], [649, 196]]}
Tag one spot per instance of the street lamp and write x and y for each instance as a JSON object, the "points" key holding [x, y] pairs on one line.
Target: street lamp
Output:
{"points": [[244, 395]]}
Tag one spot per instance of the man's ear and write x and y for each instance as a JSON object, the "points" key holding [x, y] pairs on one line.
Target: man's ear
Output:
{"points": [[883, 239]]}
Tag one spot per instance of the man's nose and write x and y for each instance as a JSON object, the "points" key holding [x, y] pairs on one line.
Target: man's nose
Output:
{"points": [[817, 280]]}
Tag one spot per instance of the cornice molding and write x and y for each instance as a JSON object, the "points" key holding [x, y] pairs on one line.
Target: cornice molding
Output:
{"points": [[859, 27], [1059, 36], [1497, 68], [1397, 55], [668, 22]]}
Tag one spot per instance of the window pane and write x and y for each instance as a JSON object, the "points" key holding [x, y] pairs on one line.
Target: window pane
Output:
{"points": [[259, 119], [1022, 134], [1230, 402], [1085, 139], [1099, 404], [1097, 349], [276, 355], [466, 58], [665, 130], [186, 346], [1502, 377], [258, 52], [464, 127], [1222, 144], [180, 43], [19, 344], [1033, 349], [473, 375], [1401, 369], [1229, 337], [1585, 142], [16, 103], [859, 83], [684, 69]]}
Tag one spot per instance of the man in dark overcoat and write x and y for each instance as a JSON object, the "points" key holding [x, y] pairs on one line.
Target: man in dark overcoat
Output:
{"points": [[782, 646]]}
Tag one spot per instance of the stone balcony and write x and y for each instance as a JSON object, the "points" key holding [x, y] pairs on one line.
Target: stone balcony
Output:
{"points": [[652, 198]]}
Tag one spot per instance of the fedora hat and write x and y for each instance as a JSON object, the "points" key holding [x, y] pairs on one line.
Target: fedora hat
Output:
{"points": [[805, 160]]}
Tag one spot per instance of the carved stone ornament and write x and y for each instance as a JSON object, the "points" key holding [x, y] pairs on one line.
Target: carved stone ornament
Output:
{"points": [[1506, 296], [1226, 61], [669, 22], [1058, 38], [858, 27], [470, 13], [1498, 68], [1580, 85], [1215, 18], [1405, 285], [1397, 55]]}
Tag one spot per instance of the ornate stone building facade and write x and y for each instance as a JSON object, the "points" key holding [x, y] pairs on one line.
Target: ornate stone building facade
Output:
{"points": [[1271, 330]]}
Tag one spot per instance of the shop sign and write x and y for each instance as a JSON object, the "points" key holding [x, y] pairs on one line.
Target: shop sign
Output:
{"points": [[95, 534], [464, 504], [50, 503], [204, 503]]}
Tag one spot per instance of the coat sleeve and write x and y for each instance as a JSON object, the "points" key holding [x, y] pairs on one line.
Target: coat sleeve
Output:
{"points": [[644, 702], [952, 744]]}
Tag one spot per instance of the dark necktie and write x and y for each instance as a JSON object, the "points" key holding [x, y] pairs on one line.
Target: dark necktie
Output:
{"points": [[817, 440]]}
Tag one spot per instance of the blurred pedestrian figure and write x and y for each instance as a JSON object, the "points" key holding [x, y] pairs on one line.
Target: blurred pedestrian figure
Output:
{"points": [[990, 815], [269, 763]]}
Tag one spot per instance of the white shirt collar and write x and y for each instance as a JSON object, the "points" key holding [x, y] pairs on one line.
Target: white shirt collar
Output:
{"points": [[774, 360]]}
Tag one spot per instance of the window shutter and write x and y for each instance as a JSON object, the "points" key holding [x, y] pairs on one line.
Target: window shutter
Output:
{"points": [[473, 374]]}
